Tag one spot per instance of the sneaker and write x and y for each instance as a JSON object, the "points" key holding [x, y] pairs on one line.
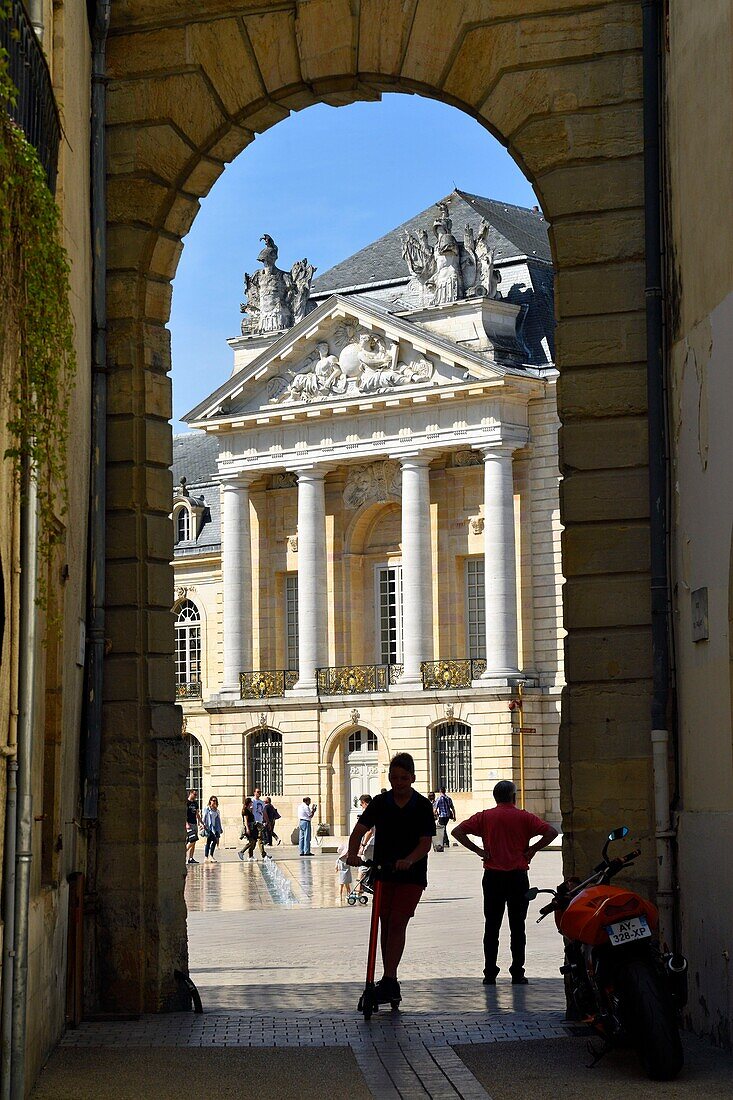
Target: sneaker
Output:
{"points": [[488, 981], [193, 861], [279, 840], [240, 853], [388, 989], [519, 979]]}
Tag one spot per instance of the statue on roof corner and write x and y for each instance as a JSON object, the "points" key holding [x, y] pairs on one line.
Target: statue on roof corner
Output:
{"points": [[276, 299], [447, 271]]}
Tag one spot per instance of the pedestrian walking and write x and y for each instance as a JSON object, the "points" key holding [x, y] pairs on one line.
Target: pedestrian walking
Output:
{"points": [[212, 827], [258, 809], [437, 839], [271, 816], [305, 816], [249, 833], [366, 849], [506, 852], [404, 827], [444, 811], [193, 823]]}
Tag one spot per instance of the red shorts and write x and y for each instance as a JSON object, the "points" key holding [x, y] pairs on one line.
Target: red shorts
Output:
{"points": [[400, 898]]}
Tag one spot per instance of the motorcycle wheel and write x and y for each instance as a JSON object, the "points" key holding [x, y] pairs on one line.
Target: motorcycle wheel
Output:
{"points": [[653, 1023]]}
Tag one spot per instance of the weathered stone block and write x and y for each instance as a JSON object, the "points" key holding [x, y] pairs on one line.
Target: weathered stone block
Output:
{"points": [[586, 341], [607, 601], [166, 722], [158, 296], [602, 392], [605, 548], [608, 655], [231, 144], [223, 52], [272, 35], [161, 678], [203, 177], [160, 624], [158, 395], [158, 537], [126, 248], [166, 254], [323, 55], [159, 152], [180, 217], [586, 445], [582, 188], [596, 495], [599, 238], [608, 132], [612, 288], [185, 99], [148, 52]]}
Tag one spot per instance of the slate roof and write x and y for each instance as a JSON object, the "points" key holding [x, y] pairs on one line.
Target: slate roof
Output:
{"points": [[194, 457], [514, 232]]}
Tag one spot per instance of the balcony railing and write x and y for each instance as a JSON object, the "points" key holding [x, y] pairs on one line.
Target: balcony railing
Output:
{"points": [[35, 109], [354, 679], [191, 690], [268, 684], [445, 675]]}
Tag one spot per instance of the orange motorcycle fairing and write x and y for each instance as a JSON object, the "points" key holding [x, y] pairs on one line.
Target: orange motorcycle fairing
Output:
{"points": [[587, 915]]}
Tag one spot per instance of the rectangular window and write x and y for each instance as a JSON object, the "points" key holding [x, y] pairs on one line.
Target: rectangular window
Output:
{"points": [[291, 621], [389, 605], [475, 608]]}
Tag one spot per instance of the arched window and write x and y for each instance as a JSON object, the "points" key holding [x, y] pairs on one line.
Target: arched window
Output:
{"points": [[266, 759], [195, 777], [452, 754], [188, 644], [362, 741], [183, 524]]}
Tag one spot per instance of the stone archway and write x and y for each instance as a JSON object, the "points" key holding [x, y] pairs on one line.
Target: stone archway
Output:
{"points": [[559, 83]]}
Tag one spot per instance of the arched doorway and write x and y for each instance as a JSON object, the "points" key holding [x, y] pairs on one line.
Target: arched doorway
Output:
{"points": [[361, 770], [177, 113]]}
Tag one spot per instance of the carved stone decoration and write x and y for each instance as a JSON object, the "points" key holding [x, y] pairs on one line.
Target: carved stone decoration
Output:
{"points": [[293, 543], [276, 299], [355, 716], [263, 720], [365, 364], [374, 482], [183, 590], [450, 710], [284, 480], [184, 726], [477, 525], [447, 271], [467, 457]]}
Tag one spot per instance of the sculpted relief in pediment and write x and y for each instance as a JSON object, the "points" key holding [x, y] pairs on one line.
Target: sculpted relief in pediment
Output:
{"points": [[373, 482], [354, 361]]}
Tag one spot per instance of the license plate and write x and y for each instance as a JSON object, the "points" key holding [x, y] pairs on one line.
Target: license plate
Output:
{"points": [[626, 931]]}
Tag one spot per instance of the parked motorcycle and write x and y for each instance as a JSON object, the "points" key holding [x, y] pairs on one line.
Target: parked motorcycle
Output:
{"points": [[617, 977]]}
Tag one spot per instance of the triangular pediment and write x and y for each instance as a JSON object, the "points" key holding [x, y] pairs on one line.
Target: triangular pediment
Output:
{"points": [[343, 352]]}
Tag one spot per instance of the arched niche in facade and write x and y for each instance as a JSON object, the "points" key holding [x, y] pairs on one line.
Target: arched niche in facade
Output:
{"points": [[190, 85]]}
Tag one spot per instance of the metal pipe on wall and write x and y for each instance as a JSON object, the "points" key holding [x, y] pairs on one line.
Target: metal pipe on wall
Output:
{"points": [[26, 718], [658, 462], [35, 14]]}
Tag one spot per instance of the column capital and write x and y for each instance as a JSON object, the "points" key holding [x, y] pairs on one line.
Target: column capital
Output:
{"points": [[414, 458], [505, 444], [240, 480]]}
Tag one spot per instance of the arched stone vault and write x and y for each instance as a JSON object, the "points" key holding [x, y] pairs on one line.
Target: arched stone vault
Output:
{"points": [[191, 84]]}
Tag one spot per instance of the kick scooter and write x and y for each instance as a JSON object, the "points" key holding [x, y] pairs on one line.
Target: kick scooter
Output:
{"points": [[368, 1002]]}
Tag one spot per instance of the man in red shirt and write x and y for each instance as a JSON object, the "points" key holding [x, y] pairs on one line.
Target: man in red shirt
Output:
{"points": [[505, 832]]}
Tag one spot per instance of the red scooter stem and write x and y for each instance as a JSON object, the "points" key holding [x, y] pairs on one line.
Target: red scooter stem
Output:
{"points": [[374, 931]]}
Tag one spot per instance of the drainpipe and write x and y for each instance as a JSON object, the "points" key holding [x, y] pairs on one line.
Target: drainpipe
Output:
{"points": [[98, 499], [658, 458], [24, 830]]}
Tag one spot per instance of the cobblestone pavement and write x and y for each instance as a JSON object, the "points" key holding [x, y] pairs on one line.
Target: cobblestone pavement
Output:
{"points": [[280, 966]]}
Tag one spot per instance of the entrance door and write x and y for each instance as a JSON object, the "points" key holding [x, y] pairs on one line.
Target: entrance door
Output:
{"points": [[362, 770]]}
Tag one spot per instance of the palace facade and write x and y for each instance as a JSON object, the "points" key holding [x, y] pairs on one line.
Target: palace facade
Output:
{"points": [[366, 521]]}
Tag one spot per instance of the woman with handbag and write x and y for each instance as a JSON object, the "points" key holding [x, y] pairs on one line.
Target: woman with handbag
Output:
{"points": [[212, 828]]}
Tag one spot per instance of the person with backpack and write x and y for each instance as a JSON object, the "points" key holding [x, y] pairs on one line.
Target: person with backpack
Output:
{"points": [[444, 812]]}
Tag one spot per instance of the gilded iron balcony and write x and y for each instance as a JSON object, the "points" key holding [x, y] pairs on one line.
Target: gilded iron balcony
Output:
{"points": [[355, 679], [191, 690], [35, 108], [445, 675], [268, 684]]}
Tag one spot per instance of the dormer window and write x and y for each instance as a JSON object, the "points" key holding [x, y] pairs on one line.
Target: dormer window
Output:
{"points": [[183, 524]]}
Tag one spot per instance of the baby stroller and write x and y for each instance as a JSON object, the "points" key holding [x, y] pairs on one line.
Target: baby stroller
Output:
{"points": [[362, 888]]}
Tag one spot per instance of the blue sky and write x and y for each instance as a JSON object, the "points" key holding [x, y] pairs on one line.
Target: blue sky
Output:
{"points": [[323, 183]]}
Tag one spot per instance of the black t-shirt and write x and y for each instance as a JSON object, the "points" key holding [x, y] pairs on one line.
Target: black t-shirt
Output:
{"points": [[192, 809], [398, 830]]}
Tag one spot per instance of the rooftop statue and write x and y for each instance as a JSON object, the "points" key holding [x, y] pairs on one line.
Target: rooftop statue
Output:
{"points": [[276, 299], [446, 270]]}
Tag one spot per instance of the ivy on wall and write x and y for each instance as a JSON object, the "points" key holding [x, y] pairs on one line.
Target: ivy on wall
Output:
{"points": [[37, 360]]}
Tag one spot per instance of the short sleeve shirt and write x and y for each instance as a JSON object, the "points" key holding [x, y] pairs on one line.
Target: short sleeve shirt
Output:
{"points": [[505, 831], [258, 809], [398, 830], [192, 809]]}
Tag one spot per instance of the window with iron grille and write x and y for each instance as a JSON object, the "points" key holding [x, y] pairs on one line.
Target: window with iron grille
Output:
{"points": [[291, 621], [266, 759], [452, 756], [183, 524], [188, 644], [389, 596], [195, 777], [475, 608]]}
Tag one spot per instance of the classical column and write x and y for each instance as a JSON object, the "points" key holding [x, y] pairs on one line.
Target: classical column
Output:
{"points": [[500, 567], [236, 567], [312, 614], [417, 571]]}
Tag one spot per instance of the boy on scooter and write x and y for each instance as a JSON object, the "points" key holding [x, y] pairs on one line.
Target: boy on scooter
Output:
{"points": [[404, 827]]}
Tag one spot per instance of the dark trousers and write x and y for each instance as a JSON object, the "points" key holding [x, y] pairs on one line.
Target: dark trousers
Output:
{"points": [[505, 889], [211, 842]]}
